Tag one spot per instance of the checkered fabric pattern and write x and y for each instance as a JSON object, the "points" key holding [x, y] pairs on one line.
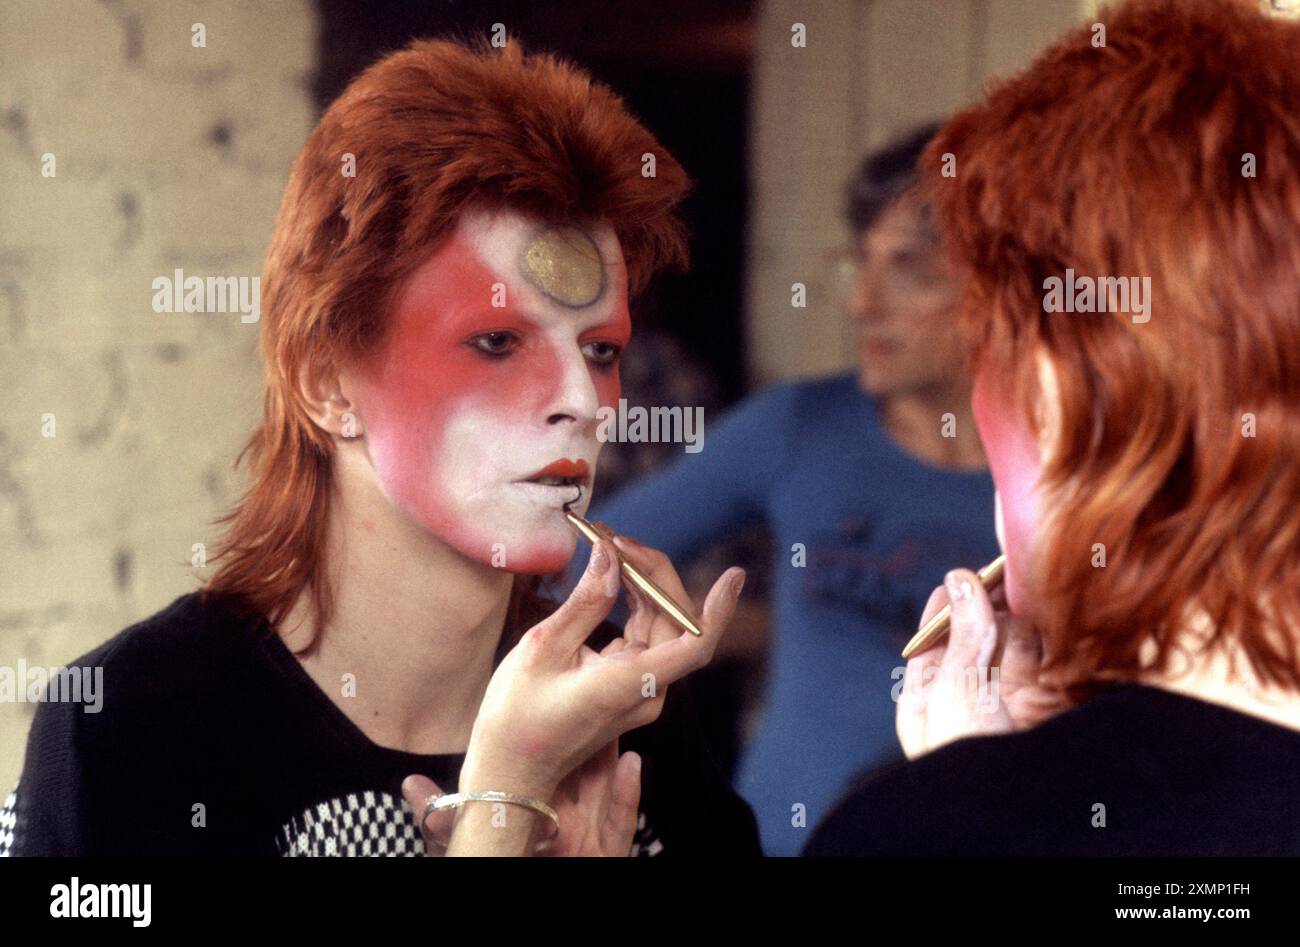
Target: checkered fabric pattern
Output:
{"points": [[8, 819], [358, 824]]}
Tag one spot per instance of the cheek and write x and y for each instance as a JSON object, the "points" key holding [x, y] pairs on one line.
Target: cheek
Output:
{"points": [[411, 412], [609, 387], [1020, 513], [1015, 466], [421, 394], [443, 433], [927, 328]]}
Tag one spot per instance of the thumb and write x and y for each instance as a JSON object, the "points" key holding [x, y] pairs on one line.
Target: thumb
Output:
{"points": [[974, 629], [586, 607], [417, 790]]}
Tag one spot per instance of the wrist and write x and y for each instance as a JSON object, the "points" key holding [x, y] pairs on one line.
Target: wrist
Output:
{"points": [[480, 828], [478, 774]]}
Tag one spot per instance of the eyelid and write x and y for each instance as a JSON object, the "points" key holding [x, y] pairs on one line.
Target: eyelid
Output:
{"points": [[606, 332], [612, 340], [479, 333]]}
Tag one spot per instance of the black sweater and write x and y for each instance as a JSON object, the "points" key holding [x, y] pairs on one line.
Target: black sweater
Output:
{"points": [[1134, 771], [213, 739]]}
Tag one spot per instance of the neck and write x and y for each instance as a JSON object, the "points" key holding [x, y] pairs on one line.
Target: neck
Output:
{"points": [[415, 623], [1224, 677], [915, 420]]}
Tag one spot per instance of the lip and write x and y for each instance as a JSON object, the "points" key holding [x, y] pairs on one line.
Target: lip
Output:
{"points": [[549, 496], [578, 469]]}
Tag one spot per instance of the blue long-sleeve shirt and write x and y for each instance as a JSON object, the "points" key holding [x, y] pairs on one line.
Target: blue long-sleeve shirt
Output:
{"points": [[862, 533]]}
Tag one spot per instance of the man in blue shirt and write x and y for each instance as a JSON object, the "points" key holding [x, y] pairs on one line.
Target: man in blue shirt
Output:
{"points": [[866, 483]]}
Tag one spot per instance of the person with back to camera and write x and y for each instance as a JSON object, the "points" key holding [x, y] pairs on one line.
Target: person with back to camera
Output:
{"points": [[1147, 457]]}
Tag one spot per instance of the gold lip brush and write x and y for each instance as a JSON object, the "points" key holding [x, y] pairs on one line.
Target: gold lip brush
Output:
{"points": [[638, 578], [938, 626]]}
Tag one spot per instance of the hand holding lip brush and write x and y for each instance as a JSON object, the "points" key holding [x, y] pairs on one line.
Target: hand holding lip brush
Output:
{"points": [[937, 627], [634, 575]]}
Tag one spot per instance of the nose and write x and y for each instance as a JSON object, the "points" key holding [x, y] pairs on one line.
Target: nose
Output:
{"points": [[574, 399], [865, 300]]}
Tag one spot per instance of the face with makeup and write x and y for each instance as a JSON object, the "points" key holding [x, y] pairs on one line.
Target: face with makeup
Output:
{"points": [[480, 410], [1015, 462]]}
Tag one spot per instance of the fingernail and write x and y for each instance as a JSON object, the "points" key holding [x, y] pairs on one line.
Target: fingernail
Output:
{"points": [[737, 583], [958, 588], [613, 581], [599, 559]]}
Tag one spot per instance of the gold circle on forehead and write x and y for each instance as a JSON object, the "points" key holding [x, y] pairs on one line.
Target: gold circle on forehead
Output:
{"points": [[564, 263]]}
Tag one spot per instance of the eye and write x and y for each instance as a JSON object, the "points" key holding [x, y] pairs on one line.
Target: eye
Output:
{"points": [[921, 276], [495, 344], [602, 353]]}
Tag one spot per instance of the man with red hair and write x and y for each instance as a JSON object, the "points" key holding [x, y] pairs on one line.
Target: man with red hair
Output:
{"points": [[1144, 655], [446, 300]]}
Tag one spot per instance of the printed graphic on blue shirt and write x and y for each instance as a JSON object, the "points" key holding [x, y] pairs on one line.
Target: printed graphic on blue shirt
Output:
{"points": [[884, 577]]}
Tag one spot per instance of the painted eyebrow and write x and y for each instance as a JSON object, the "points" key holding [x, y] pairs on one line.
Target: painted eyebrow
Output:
{"points": [[510, 313]]}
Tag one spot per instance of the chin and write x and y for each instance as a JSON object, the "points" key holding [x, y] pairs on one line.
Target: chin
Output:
{"points": [[878, 384], [543, 555]]}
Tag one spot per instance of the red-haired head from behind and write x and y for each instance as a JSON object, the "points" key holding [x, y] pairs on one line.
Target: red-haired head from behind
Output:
{"points": [[1166, 149]]}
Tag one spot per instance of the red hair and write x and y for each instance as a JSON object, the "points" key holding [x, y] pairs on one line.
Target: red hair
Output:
{"points": [[435, 129], [1133, 159]]}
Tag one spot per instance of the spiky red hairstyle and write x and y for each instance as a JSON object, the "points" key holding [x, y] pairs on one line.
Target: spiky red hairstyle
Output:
{"points": [[1171, 152], [434, 129]]}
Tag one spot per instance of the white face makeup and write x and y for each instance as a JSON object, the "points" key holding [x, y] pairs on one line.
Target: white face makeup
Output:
{"points": [[505, 344]]}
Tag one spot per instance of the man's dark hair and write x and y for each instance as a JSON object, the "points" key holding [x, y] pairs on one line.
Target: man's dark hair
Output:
{"points": [[886, 175]]}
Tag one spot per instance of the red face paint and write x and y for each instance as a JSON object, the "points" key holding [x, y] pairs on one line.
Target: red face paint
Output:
{"points": [[1015, 463], [468, 399]]}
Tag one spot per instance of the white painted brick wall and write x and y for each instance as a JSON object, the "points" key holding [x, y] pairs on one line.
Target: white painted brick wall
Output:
{"points": [[167, 156]]}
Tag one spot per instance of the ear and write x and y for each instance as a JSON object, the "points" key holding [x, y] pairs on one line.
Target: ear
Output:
{"points": [[326, 394]]}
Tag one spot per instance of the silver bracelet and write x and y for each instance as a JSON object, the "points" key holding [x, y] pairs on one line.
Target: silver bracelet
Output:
{"points": [[454, 800]]}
